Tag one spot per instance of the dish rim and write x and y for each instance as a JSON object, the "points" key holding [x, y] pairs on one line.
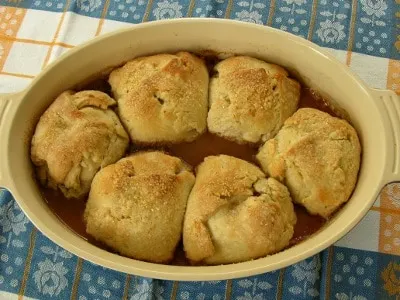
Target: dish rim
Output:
{"points": [[204, 272]]}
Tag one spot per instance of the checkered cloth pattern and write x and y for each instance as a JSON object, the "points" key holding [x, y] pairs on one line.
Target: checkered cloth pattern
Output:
{"points": [[364, 34]]}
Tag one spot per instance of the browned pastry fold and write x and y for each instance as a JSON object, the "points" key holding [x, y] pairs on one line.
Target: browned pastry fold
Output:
{"points": [[136, 206], [76, 136], [235, 214], [250, 99], [162, 98], [317, 156]]}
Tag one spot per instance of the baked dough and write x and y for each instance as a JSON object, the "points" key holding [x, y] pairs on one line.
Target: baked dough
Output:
{"points": [[235, 214], [76, 136], [162, 98], [136, 206], [317, 156], [250, 99]]}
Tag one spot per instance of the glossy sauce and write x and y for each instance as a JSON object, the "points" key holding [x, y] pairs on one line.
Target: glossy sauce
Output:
{"points": [[306, 225], [70, 211], [209, 144]]}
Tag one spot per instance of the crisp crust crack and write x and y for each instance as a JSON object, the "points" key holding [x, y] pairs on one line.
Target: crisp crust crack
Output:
{"points": [[76, 136], [317, 157], [235, 214]]}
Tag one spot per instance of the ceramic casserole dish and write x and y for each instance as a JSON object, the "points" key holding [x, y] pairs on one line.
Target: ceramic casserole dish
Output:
{"points": [[374, 113]]}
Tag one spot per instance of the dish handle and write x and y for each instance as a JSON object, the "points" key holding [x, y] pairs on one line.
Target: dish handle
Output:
{"points": [[7, 101], [390, 107]]}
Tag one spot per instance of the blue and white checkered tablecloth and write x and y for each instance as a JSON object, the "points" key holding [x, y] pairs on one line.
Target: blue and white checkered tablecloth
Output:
{"points": [[363, 34]]}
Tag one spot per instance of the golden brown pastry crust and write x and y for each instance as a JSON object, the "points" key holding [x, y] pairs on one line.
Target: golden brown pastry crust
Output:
{"points": [[235, 214], [136, 206], [77, 135], [317, 156], [250, 99], [162, 98]]}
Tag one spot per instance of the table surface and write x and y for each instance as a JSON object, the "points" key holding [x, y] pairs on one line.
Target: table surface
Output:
{"points": [[363, 34]]}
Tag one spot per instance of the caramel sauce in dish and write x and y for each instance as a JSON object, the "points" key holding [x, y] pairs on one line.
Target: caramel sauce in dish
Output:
{"points": [[209, 144], [70, 211]]}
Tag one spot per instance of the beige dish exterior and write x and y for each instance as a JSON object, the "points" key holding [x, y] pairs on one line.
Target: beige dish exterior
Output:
{"points": [[374, 113]]}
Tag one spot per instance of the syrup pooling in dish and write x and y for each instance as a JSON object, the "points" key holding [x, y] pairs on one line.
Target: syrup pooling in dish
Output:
{"points": [[70, 211], [210, 144], [262, 125]]}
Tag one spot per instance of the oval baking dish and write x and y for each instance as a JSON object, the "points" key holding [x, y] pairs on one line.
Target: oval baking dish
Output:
{"points": [[375, 114]]}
